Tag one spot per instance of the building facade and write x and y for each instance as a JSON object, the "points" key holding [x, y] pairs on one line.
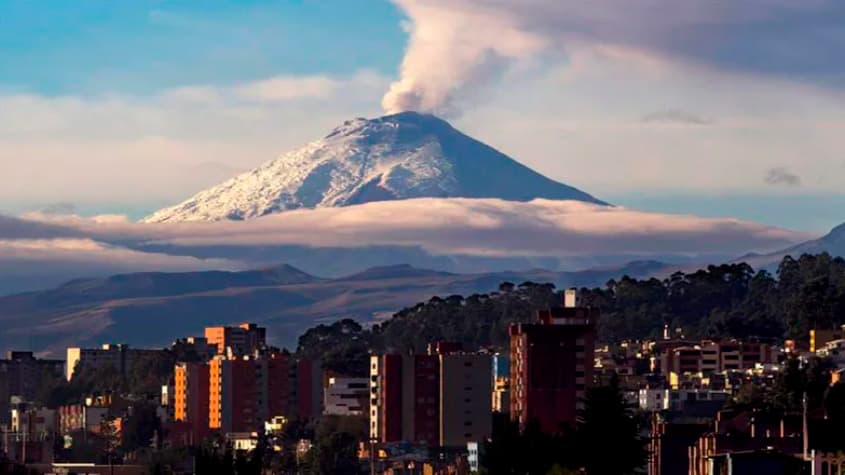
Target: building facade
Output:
{"points": [[709, 357], [119, 357], [501, 383], [464, 382], [21, 375], [23, 372], [247, 391], [431, 399], [344, 396], [190, 399], [552, 364], [80, 417], [243, 339]]}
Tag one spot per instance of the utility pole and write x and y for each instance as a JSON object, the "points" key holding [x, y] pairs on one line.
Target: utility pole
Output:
{"points": [[804, 425], [804, 429], [372, 456]]}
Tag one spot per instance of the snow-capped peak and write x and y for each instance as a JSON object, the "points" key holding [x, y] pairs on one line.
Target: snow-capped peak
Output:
{"points": [[400, 156]]}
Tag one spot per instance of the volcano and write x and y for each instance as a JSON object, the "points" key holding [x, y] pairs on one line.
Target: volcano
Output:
{"points": [[399, 156]]}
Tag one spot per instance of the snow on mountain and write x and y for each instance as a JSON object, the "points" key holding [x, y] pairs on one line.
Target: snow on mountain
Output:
{"points": [[400, 156]]}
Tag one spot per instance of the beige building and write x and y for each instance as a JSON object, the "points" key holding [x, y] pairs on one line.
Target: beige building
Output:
{"points": [[465, 405], [439, 399]]}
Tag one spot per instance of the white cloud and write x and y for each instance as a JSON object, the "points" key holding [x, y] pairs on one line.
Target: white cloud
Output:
{"points": [[90, 253], [42, 250], [149, 150], [583, 125], [460, 226], [287, 88]]}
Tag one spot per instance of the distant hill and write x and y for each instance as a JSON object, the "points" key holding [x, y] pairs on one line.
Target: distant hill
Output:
{"points": [[400, 271], [153, 309], [832, 243]]}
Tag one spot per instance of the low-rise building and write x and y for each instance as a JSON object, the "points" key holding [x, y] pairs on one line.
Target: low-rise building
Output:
{"points": [[835, 350], [80, 417], [33, 420], [21, 374], [654, 400], [823, 463], [118, 357], [709, 356], [197, 345], [344, 396]]}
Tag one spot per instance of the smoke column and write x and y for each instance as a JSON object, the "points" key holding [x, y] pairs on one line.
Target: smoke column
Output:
{"points": [[456, 47], [453, 49]]}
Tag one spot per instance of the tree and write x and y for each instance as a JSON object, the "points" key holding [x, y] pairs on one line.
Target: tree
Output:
{"points": [[335, 454], [607, 423], [140, 427], [529, 452]]}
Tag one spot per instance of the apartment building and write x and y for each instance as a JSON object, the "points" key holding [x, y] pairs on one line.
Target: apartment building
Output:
{"points": [[464, 381], [190, 398], [247, 391], [709, 357], [243, 339], [23, 372], [120, 357], [552, 364], [343, 396], [437, 399]]}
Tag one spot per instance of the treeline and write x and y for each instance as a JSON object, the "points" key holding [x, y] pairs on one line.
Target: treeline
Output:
{"points": [[728, 300], [480, 320]]}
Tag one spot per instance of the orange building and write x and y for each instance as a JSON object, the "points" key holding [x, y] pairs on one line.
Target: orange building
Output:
{"points": [[242, 339], [191, 398]]}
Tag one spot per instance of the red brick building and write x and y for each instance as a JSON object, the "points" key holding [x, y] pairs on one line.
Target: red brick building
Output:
{"points": [[247, 391], [552, 365], [309, 389], [407, 398]]}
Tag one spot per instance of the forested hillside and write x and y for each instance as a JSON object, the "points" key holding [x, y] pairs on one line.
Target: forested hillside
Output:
{"points": [[729, 300]]}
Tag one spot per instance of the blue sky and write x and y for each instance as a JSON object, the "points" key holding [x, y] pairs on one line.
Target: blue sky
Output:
{"points": [[90, 46], [124, 107]]}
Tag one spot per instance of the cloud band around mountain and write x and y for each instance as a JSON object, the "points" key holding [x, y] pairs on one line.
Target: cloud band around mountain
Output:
{"points": [[475, 227]]}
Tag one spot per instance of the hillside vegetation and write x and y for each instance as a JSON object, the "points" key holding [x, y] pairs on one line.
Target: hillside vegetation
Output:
{"points": [[729, 300]]}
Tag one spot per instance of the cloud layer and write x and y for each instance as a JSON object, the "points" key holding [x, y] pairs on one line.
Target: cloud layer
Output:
{"points": [[466, 227]]}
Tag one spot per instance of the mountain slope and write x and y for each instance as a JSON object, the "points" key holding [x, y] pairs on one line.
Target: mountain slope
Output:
{"points": [[832, 243], [400, 156], [154, 309]]}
